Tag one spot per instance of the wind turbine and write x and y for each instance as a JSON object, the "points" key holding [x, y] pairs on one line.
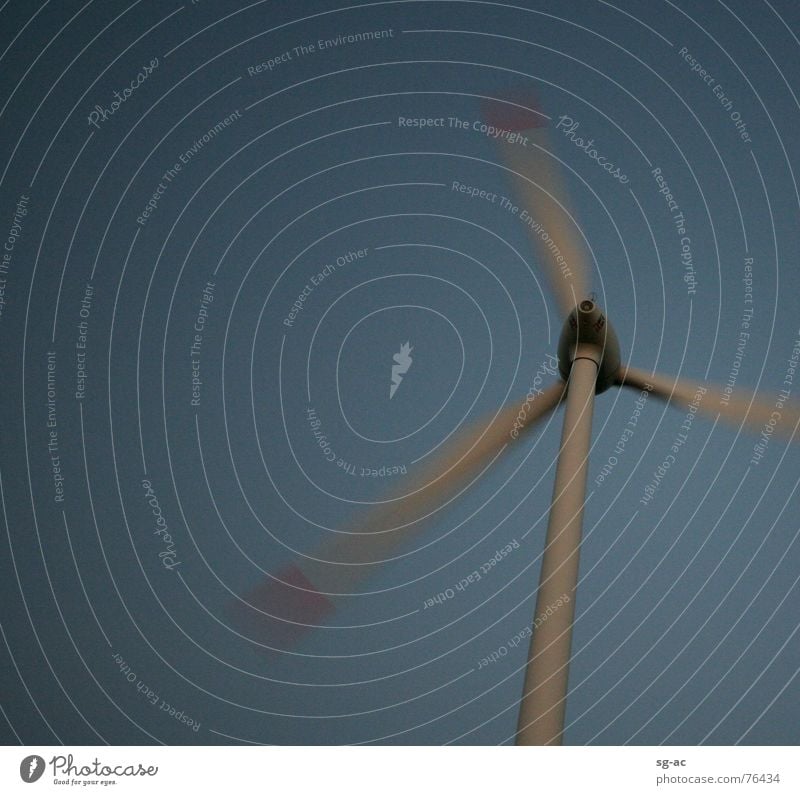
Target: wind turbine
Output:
{"points": [[283, 607]]}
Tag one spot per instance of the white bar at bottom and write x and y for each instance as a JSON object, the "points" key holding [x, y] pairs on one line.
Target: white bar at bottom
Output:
{"points": [[403, 770]]}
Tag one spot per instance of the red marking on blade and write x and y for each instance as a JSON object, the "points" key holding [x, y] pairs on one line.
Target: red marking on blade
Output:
{"points": [[275, 604], [514, 111]]}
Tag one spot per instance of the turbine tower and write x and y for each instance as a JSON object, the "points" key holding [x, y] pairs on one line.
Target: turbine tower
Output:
{"points": [[276, 613]]}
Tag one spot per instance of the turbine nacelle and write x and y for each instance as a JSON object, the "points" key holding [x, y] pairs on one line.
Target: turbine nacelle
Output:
{"points": [[586, 326]]}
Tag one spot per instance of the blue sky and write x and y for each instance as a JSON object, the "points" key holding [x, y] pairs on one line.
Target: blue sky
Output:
{"points": [[686, 610]]}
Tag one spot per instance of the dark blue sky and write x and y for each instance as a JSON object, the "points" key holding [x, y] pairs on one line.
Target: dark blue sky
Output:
{"points": [[194, 206]]}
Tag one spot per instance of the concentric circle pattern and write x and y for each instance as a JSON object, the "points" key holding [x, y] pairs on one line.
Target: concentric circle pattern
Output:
{"points": [[267, 265]]}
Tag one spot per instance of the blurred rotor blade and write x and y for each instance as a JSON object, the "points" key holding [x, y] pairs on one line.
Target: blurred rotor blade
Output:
{"points": [[751, 410], [280, 610], [520, 133]]}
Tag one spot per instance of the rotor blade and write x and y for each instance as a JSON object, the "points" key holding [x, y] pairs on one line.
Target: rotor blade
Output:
{"points": [[751, 410], [282, 608], [520, 132]]}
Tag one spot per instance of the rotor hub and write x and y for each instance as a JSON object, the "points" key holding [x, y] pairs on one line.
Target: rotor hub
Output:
{"points": [[588, 334]]}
